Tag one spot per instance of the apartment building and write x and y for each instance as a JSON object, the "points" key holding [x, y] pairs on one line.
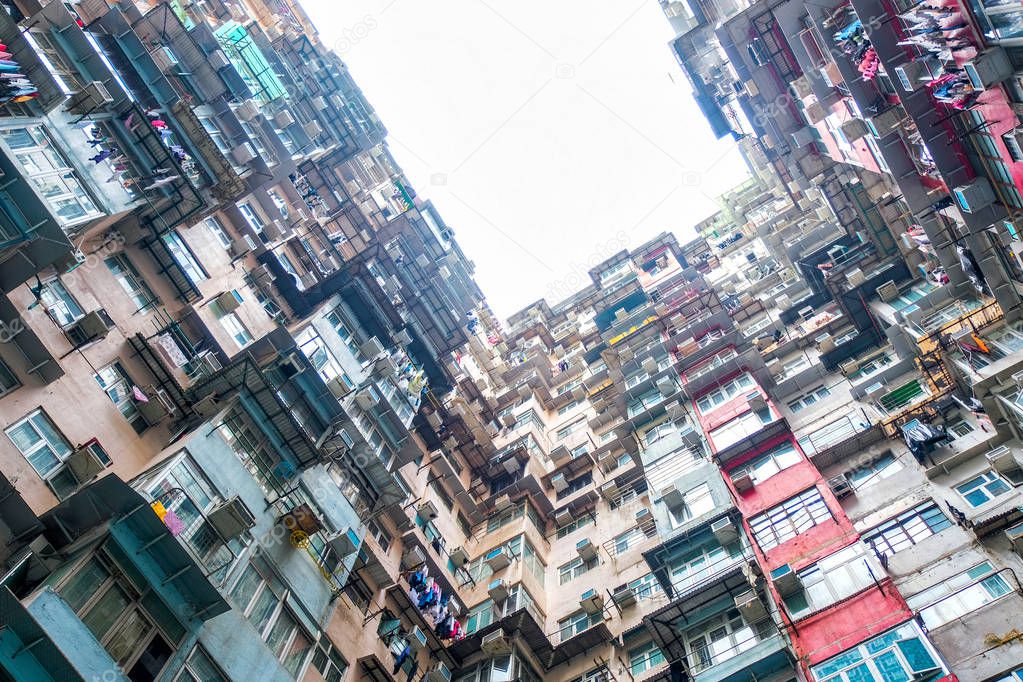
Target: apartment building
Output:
{"points": [[261, 424]]}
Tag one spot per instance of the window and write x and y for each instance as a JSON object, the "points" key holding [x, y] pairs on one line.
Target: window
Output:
{"points": [[53, 177], [834, 578], [185, 492], [566, 431], [216, 134], [576, 484], [135, 628], [630, 538], [573, 526], [67, 77], [646, 401], [320, 356], [131, 282], [692, 568], [790, 518], [959, 595], [741, 427], [59, 303], [339, 320], [506, 517], [646, 587], [251, 217], [46, 450], [900, 654], [907, 529], [809, 398], [720, 639], [768, 464], [264, 602], [199, 667], [575, 568], [8, 380], [119, 388], [329, 662], [378, 532], [577, 623], [182, 255], [644, 657], [233, 326], [215, 228], [660, 431], [722, 394], [528, 418], [982, 489], [695, 503], [533, 562]]}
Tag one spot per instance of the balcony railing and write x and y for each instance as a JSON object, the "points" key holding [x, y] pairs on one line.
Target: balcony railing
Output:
{"points": [[834, 433]]}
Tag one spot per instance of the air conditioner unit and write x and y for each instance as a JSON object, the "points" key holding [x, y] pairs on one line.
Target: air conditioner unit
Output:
{"points": [[313, 129], [825, 343], [344, 543], [666, 386], [495, 644], [675, 410], [855, 129], [164, 59], [283, 119], [785, 580], [228, 301], [815, 113], [586, 549], [238, 248], [803, 136], [438, 672], [231, 518], [502, 502], [650, 365], [975, 195], [643, 516], [1014, 143], [855, 277], [887, 122], [416, 638], [1015, 536], [366, 398], [84, 464], [91, 98], [558, 482], [218, 60], [403, 337], [988, 68], [154, 410], [511, 465], [1002, 459], [591, 601], [93, 326], [247, 110], [725, 531], [562, 517], [849, 367], [428, 511], [413, 556], [243, 154], [624, 596], [672, 496], [560, 454], [320, 103], [498, 590], [498, 558], [888, 291], [459, 557], [920, 70], [756, 402], [508, 420], [45, 553], [206, 407], [338, 388], [371, 348], [750, 606], [841, 486], [609, 489], [774, 367]]}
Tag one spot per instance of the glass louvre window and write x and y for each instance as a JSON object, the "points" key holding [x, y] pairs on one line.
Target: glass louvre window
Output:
{"points": [[982, 489], [902, 654], [131, 282], [51, 174], [770, 463], [959, 595], [59, 303], [115, 383], [794, 516], [907, 529]]}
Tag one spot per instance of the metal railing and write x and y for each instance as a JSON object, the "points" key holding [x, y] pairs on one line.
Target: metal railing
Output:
{"points": [[834, 433]]}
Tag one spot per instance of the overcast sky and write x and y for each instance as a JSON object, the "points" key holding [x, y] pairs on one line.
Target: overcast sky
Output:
{"points": [[549, 135]]}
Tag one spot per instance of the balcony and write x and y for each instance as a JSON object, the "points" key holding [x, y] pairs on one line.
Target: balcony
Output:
{"points": [[838, 438]]}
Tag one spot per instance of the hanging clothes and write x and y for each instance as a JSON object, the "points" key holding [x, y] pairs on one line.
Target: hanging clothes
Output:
{"points": [[401, 659]]}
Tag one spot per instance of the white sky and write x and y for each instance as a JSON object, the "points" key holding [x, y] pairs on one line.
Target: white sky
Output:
{"points": [[549, 134]]}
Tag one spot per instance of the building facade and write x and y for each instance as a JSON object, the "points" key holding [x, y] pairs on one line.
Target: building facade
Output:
{"points": [[261, 424]]}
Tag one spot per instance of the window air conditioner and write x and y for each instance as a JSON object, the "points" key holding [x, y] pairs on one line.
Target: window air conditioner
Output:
{"points": [[841, 486], [344, 543], [750, 606], [371, 348], [428, 510], [988, 68], [498, 590], [218, 60], [586, 549], [975, 195], [93, 326], [785, 580], [92, 97], [497, 558], [84, 464], [247, 110], [591, 601], [243, 154], [558, 482], [313, 129], [228, 301], [231, 518], [624, 596], [283, 119], [888, 291], [459, 557], [366, 398], [438, 673], [338, 388], [725, 531], [495, 644]]}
